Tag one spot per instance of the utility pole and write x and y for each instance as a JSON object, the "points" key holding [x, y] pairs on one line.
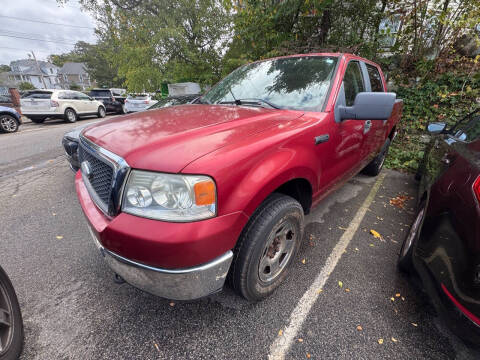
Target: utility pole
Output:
{"points": [[39, 70]]}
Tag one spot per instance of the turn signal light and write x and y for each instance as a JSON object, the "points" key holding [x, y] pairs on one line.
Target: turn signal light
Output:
{"points": [[476, 188], [204, 193]]}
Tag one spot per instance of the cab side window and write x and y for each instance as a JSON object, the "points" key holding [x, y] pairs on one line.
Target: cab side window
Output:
{"points": [[352, 82], [375, 78]]}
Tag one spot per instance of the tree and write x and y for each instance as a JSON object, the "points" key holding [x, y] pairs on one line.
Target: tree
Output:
{"points": [[75, 86], [26, 86], [4, 68], [163, 40]]}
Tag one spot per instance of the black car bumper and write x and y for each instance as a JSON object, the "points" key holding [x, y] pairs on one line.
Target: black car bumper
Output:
{"points": [[71, 152], [447, 271]]}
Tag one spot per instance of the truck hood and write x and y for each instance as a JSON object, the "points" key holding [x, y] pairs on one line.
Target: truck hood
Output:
{"points": [[170, 138]]}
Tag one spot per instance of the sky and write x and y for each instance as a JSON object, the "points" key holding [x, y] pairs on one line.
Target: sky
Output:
{"points": [[14, 46]]}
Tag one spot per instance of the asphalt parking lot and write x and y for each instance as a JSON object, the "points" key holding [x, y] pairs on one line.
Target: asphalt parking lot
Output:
{"points": [[343, 299]]}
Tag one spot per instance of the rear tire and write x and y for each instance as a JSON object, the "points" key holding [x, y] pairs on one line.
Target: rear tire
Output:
{"points": [[8, 123], [70, 115], [267, 247], [376, 165], [38, 120], [11, 335], [405, 258], [101, 112]]}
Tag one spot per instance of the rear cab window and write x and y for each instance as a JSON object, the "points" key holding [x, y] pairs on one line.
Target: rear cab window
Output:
{"points": [[375, 78], [100, 93], [137, 97]]}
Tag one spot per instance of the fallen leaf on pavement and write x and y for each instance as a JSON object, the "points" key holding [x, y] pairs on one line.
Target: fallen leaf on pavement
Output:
{"points": [[394, 340], [300, 340], [371, 245], [172, 304], [280, 332], [319, 291], [304, 261], [59, 237], [414, 324], [340, 284], [156, 346], [356, 249], [403, 299], [375, 234], [347, 290], [392, 298], [399, 201], [380, 341], [397, 295], [308, 356], [359, 328]]}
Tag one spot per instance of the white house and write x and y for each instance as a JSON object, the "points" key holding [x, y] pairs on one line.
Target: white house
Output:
{"points": [[27, 71]]}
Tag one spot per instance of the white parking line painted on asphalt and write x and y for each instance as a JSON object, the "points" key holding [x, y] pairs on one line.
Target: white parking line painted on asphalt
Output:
{"points": [[280, 347]]}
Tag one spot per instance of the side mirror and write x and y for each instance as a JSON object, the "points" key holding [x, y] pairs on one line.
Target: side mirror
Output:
{"points": [[436, 127], [369, 106]]}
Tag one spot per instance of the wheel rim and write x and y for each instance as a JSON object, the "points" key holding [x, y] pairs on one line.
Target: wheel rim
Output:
{"points": [[278, 251], [102, 112], [413, 232], [70, 115], [6, 320], [8, 124]]}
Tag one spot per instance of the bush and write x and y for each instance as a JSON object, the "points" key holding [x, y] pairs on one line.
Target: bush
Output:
{"points": [[26, 86]]}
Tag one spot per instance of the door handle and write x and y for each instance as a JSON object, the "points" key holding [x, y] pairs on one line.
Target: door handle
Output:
{"points": [[321, 139], [367, 126]]}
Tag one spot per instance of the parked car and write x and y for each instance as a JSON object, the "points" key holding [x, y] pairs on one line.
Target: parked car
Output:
{"points": [[443, 245], [70, 145], [138, 102], [173, 101], [10, 119], [221, 187], [69, 105], [113, 101], [11, 323]]}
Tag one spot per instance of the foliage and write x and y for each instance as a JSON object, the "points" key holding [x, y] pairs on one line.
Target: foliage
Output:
{"points": [[74, 86], [26, 86], [445, 98], [4, 68]]}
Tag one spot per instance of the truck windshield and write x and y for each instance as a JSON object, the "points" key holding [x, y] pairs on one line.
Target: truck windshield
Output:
{"points": [[298, 83], [101, 93]]}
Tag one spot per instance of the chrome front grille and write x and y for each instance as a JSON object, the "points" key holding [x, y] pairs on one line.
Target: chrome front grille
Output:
{"points": [[102, 174], [106, 175]]}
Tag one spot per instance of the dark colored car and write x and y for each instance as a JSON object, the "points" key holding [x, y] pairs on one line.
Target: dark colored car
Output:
{"points": [[10, 119], [70, 145], [11, 323], [443, 245], [174, 100], [113, 102]]}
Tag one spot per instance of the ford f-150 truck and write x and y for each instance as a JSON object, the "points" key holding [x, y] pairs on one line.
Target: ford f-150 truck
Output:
{"points": [[196, 195]]}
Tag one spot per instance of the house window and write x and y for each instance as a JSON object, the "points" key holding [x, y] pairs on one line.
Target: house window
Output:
{"points": [[51, 71]]}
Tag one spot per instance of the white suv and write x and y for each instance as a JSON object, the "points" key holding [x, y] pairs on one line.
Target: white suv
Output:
{"points": [[60, 104]]}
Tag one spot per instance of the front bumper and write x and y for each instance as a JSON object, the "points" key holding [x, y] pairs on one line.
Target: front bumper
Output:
{"points": [[179, 284]]}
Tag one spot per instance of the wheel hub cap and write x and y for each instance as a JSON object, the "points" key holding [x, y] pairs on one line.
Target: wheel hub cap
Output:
{"points": [[8, 124], [6, 325], [278, 250]]}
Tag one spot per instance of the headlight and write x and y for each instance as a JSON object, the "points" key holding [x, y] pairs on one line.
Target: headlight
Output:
{"points": [[169, 197]]}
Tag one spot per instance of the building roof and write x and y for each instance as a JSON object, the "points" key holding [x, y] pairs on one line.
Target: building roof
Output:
{"points": [[73, 68], [30, 68]]}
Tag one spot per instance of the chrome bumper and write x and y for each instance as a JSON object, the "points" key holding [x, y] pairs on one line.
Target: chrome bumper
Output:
{"points": [[179, 284]]}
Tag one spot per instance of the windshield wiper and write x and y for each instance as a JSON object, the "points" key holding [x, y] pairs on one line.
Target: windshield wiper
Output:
{"points": [[251, 101]]}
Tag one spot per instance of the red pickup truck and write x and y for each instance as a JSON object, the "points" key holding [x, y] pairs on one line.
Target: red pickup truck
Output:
{"points": [[180, 199]]}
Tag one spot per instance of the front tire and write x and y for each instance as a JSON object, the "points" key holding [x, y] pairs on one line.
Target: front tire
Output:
{"points": [[266, 248], [70, 115], [405, 258], [11, 324], [376, 165], [8, 123], [101, 112]]}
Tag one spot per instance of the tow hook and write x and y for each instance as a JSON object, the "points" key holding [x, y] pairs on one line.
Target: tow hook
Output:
{"points": [[118, 279]]}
